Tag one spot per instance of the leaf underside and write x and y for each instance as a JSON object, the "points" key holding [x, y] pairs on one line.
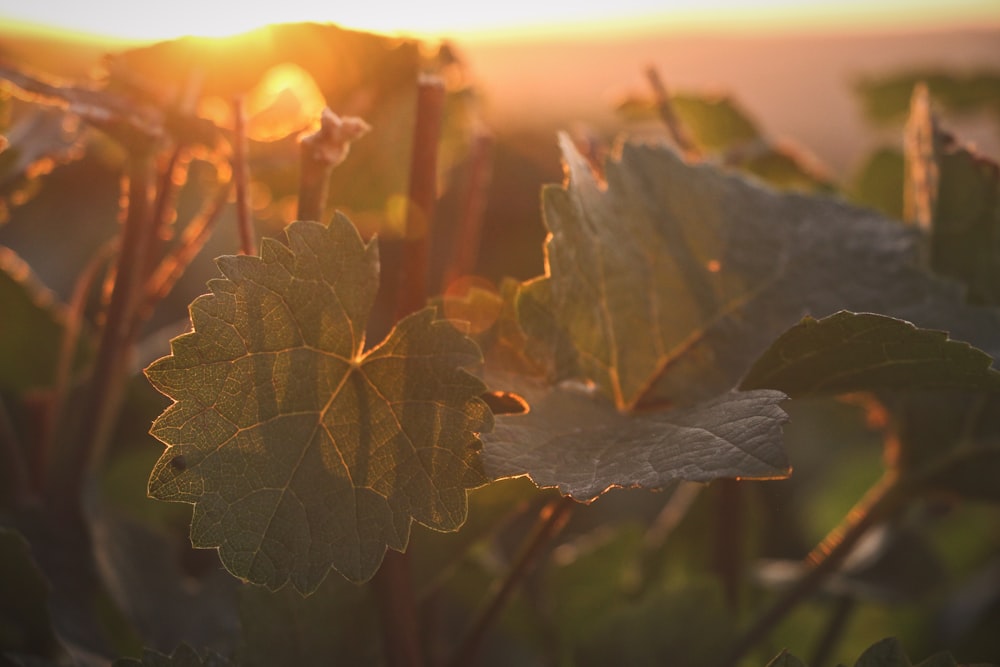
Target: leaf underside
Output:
{"points": [[300, 450]]}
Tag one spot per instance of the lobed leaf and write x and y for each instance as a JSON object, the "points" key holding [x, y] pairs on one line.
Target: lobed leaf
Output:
{"points": [[300, 450]]}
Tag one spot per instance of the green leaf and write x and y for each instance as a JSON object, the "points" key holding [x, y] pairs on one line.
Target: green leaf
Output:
{"points": [[862, 351], [886, 653], [183, 656], [579, 443], [786, 659], [717, 122], [25, 622], [300, 450]]}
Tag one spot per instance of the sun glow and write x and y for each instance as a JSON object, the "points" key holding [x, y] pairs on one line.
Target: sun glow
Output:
{"points": [[438, 18]]}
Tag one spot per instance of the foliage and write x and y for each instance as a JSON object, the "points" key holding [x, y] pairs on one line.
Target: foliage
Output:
{"points": [[458, 467]]}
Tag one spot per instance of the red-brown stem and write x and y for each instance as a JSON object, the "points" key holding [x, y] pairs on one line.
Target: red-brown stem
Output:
{"points": [[551, 520], [880, 501], [728, 546], [241, 174], [40, 459], [470, 224], [113, 346], [412, 293], [393, 584], [668, 114]]}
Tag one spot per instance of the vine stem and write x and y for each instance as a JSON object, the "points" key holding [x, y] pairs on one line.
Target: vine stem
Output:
{"points": [[551, 521], [394, 582], [113, 346], [880, 501], [241, 174], [729, 535], [412, 294]]}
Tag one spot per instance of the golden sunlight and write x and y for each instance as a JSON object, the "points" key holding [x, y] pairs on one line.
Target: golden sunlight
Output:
{"points": [[436, 18]]}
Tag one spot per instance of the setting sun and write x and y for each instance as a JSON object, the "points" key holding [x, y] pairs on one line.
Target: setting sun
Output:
{"points": [[130, 21]]}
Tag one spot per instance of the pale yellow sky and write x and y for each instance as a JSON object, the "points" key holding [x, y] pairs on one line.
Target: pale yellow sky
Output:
{"points": [[131, 19]]}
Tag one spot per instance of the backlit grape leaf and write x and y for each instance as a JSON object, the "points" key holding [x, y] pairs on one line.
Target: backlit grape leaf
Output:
{"points": [[576, 441], [300, 450], [887, 98], [665, 283], [862, 351]]}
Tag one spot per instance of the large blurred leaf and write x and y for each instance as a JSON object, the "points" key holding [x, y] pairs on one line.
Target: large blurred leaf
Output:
{"points": [[879, 182], [665, 284], [300, 450], [955, 192], [862, 351], [887, 99], [31, 327]]}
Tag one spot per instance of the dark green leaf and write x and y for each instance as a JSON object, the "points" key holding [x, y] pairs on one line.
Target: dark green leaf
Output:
{"points": [[183, 656], [717, 122], [786, 659], [886, 653], [300, 450], [25, 623], [861, 351], [939, 660], [578, 442]]}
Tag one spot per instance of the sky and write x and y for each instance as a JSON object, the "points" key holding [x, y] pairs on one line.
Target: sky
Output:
{"points": [[135, 20]]}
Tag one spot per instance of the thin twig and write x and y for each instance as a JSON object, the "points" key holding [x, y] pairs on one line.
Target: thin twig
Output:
{"points": [[320, 152], [728, 543], [412, 294], [551, 520], [673, 512], [241, 174], [880, 501], [675, 126], [194, 237], [843, 608], [68, 348], [166, 197]]}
